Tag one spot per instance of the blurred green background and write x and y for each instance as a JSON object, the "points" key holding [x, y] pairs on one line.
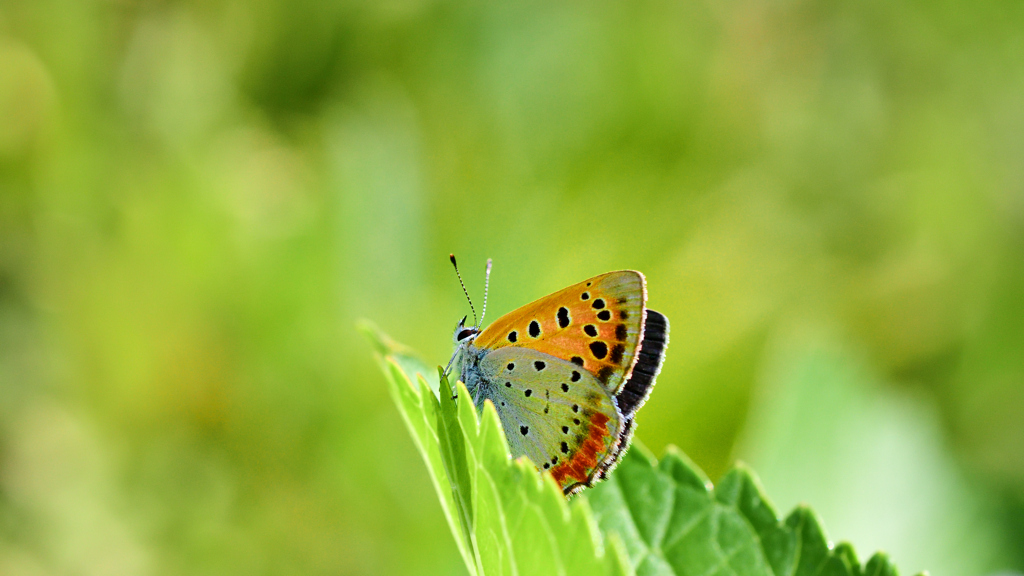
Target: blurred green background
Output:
{"points": [[199, 199]]}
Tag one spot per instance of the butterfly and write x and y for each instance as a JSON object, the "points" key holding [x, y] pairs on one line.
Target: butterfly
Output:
{"points": [[567, 373]]}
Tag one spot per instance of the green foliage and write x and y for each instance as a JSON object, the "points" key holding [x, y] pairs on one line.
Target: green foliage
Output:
{"points": [[673, 521], [648, 518]]}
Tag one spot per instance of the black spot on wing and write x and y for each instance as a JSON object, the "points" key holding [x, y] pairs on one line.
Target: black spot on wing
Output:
{"points": [[598, 304], [604, 315], [575, 376], [621, 332], [599, 349], [513, 336], [539, 365], [577, 360], [524, 430], [604, 374], [534, 329], [617, 351], [563, 317], [651, 354], [590, 330]]}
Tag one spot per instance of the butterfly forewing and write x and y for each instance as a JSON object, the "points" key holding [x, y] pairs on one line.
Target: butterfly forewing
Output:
{"points": [[553, 411], [595, 324]]}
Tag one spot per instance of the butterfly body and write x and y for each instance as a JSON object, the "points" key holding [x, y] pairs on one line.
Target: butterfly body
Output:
{"points": [[568, 372]]}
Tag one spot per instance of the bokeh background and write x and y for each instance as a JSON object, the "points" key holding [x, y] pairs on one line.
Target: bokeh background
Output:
{"points": [[198, 200]]}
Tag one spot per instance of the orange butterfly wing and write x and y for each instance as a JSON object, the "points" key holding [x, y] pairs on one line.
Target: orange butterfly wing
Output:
{"points": [[595, 324]]}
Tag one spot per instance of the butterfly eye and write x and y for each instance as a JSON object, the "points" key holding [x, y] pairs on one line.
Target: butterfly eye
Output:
{"points": [[465, 334]]}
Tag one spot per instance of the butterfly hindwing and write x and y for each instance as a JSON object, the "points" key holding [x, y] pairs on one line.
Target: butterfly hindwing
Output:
{"points": [[595, 324], [552, 411]]}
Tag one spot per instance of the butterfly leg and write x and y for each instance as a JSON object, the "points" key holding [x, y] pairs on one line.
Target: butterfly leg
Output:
{"points": [[448, 368]]}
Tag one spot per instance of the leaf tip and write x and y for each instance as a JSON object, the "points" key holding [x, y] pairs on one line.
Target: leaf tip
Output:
{"points": [[381, 342], [683, 470], [881, 565], [845, 552]]}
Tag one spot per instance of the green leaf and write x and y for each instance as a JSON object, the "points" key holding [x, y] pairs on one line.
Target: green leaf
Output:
{"points": [[648, 518], [674, 522]]}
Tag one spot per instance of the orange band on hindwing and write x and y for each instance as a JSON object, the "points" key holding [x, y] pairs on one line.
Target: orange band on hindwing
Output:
{"points": [[585, 460]]}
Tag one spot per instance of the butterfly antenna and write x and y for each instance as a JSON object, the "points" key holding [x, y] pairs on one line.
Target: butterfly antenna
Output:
{"points": [[464, 291], [487, 284]]}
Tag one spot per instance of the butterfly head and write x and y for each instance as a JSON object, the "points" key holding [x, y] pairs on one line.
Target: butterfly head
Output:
{"points": [[463, 337], [464, 334]]}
